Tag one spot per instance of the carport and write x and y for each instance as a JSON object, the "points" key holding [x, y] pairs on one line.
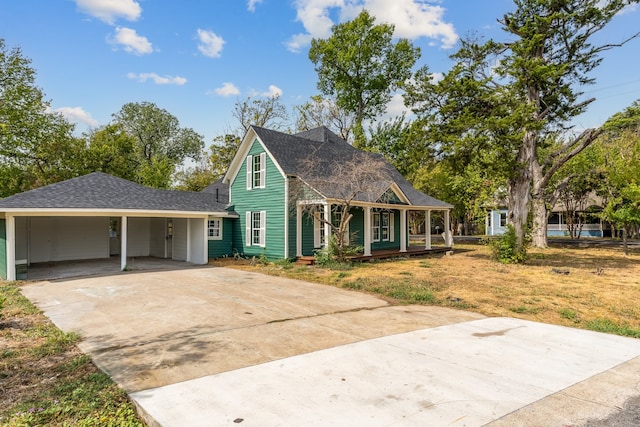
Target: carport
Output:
{"points": [[98, 216]]}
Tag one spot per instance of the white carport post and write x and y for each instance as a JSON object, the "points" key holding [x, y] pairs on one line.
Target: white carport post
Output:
{"points": [[367, 231], [427, 229], [403, 230], [298, 230], [205, 239], [123, 243], [11, 247]]}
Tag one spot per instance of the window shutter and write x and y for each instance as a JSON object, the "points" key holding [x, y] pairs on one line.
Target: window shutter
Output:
{"points": [[263, 228], [247, 227], [249, 165], [392, 228], [263, 169]]}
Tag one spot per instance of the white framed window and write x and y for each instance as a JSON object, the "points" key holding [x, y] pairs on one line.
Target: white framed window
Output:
{"points": [[503, 219], [376, 227], [256, 228], [318, 229], [214, 229], [256, 171], [383, 227]]}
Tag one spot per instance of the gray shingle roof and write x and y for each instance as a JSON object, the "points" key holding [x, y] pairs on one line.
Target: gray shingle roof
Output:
{"points": [[315, 153], [99, 190], [219, 190]]}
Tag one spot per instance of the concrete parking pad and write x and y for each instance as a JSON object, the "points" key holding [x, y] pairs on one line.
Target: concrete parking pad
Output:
{"points": [[149, 329], [214, 346], [466, 374]]}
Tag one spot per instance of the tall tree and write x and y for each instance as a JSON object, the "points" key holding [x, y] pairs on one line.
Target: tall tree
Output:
{"points": [[161, 143], [360, 65], [112, 150], [263, 112], [37, 146], [619, 149], [541, 74], [322, 111]]}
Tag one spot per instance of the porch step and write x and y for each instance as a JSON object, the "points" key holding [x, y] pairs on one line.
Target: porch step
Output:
{"points": [[305, 260]]}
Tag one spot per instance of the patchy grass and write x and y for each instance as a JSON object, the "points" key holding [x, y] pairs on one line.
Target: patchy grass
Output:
{"points": [[593, 288], [45, 379]]}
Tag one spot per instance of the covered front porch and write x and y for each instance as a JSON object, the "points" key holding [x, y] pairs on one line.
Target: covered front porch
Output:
{"points": [[381, 230]]}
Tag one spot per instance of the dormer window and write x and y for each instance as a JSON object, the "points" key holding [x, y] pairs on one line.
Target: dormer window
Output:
{"points": [[256, 173]]}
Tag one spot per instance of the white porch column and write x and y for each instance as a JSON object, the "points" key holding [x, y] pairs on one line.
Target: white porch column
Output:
{"points": [[367, 231], [427, 229], [11, 247], [123, 243], [448, 241], [298, 230], [403, 230], [205, 239], [327, 227]]}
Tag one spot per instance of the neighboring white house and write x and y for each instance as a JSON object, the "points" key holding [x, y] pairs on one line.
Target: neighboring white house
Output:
{"points": [[558, 224]]}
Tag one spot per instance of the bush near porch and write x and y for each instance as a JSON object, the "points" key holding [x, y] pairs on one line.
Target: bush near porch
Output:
{"points": [[591, 288]]}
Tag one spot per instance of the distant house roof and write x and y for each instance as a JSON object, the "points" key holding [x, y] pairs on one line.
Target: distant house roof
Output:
{"points": [[316, 153], [99, 190]]}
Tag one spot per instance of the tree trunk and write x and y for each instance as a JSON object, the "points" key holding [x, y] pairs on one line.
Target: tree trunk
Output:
{"points": [[625, 246], [540, 218], [520, 189]]}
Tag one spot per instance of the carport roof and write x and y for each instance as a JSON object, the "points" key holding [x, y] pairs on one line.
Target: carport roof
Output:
{"points": [[99, 190]]}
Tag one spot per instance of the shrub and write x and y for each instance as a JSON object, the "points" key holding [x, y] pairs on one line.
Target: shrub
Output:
{"points": [[334, 255], [504, 247]]}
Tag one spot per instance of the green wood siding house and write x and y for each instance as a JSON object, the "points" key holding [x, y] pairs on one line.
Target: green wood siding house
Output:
{"points": [[279, 199], [275, 177]]}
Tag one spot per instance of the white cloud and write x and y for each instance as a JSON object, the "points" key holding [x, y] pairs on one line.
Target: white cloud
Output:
{"points": [[157, 79], [251, 5], [109, 10], [227, 89], [210, 43], [314, 15], [131, 41], [298, 41], [396, 107], [272, 92], [77, 115], [412, 19]]}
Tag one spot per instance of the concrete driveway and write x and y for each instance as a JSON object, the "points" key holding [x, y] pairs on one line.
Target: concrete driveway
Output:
{"points": [[214, 346]]}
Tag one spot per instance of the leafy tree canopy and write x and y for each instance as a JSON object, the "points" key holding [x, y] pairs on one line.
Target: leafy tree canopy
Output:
{"points": [[360, 65]]}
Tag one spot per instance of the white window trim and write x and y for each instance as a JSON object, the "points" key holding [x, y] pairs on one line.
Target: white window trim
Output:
{"points": [[219, 236], [318, 229], [384, 215], [248, 230], [249, 165], [392, 227], [263, 170], [375, 227], [262, 229]]}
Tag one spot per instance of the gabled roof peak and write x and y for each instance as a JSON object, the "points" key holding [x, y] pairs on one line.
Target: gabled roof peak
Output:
{"points": [[320, 134]]}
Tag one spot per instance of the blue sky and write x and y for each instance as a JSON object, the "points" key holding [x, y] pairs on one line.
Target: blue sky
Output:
{"points": [[196, 58]]}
